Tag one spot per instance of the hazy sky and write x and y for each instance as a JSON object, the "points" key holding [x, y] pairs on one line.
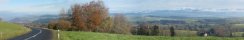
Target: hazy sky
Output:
{"points": [[120, 6]]}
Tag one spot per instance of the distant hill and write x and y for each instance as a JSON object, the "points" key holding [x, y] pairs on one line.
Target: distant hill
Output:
{"points": [[180, 15], [188, 13], [7, 16], [10, 15], [157, 15], [34, 19]]}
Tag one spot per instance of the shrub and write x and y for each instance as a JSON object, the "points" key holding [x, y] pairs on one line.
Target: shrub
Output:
{"points": [[64, 25], [144, 29], [155, 30], [172, 31], [106, 25], [148, 29], [52, 24], [242, 34]]}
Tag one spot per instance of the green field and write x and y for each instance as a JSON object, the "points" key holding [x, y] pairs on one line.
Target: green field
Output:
{"points": [[179, 33], [74, 35], [239, 26], [8, 30]]}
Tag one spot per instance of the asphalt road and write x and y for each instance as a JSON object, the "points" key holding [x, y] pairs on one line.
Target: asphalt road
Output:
{"points": [[35, 34]]}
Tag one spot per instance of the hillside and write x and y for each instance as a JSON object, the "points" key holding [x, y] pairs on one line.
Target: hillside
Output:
{"points": [[72, 35], [8, 30]]}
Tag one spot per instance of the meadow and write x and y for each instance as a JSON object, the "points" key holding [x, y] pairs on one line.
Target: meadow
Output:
{"points": [[74, 35], [9, 30]]}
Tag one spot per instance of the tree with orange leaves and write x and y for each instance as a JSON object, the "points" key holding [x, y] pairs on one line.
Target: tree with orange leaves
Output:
{"points": [[89, 16]]}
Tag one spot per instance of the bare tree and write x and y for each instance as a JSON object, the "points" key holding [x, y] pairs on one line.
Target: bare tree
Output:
{"points": [[121, 25], [219, 31], [64, 15], [106, 25]]}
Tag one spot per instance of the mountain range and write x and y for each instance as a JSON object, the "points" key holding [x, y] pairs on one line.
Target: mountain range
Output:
{"points": [[22, 17]]}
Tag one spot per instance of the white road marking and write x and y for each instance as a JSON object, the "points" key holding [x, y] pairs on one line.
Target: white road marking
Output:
{"points": [[34, 35]]}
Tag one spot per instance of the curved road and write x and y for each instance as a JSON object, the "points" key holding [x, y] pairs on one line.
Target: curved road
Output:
{"points": [[35, 34]]}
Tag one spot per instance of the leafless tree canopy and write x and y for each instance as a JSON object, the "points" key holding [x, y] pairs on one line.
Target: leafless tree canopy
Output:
{"points": [[121, 25]]}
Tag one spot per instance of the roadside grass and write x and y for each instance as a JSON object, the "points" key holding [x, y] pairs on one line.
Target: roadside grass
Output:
{"points": [[10, 30], [75, 35]]}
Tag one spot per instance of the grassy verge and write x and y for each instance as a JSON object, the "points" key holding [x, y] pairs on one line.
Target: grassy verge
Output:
{"points": [[74, 35], [9, 30]]}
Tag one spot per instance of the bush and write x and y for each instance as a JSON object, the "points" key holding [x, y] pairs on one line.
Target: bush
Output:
{"points": [[106, 25], [242, 34], [52, 25], [155, 30], [172, 31], [144, 29], [222, 32], [148, 29], [64, 25]]}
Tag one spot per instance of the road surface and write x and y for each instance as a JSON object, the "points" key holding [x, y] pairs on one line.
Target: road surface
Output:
{"points": [[35, 34]]}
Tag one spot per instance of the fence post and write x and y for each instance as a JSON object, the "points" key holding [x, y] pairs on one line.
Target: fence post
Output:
{"points": [[58, 35]]}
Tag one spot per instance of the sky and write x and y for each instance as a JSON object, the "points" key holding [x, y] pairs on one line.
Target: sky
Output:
{"points": [[120, 6]]}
